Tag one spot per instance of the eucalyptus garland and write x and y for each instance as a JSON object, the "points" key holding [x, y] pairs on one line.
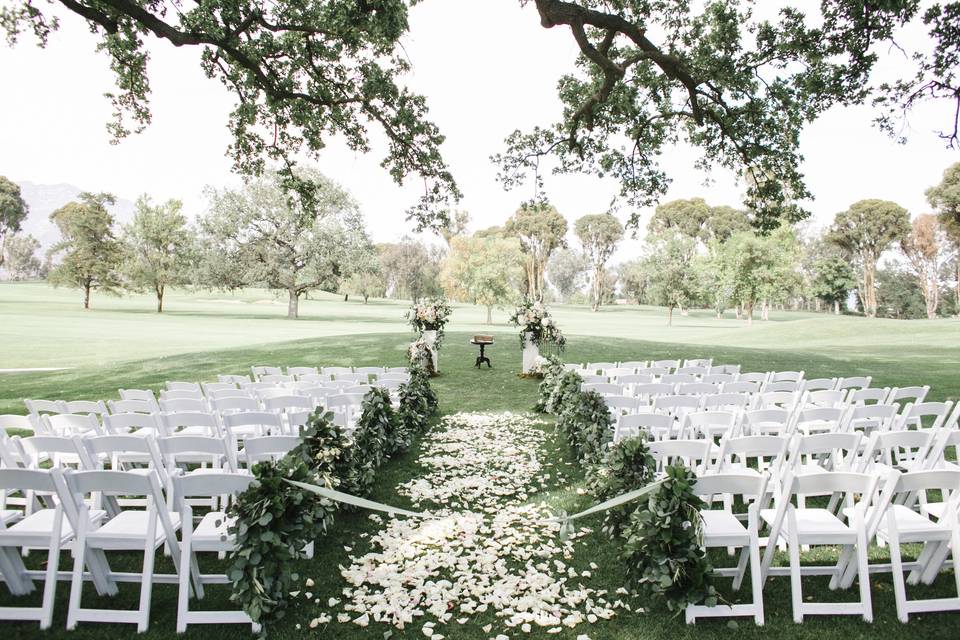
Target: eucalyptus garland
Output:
{"points": [[417, 403], [628, 465], [663, 545], [587, 425], [552, 371]]}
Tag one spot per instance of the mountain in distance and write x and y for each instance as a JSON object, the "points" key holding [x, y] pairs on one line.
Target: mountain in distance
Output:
{"points": [[44, 199]]}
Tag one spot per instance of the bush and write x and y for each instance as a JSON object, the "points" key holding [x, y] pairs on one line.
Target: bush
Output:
{"points": [[587, 425], [274, 520], [552, 371], [662, 546], [417, 403], [566, 388], [626, 467]]}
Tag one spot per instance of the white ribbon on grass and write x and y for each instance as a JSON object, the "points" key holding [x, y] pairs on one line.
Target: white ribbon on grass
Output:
{"points": [[566, 528], [357, 502]]}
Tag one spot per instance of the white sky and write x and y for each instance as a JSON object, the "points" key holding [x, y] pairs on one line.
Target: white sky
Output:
{"points": [[483, 78]]}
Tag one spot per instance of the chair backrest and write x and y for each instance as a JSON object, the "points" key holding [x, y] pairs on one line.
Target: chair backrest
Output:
{"points": [[261, 370], [297, 420], [204, 422], [288, 403], [616, 372], [337, 371], [235, 379], [677, 378], [318, 378], [697, 389], [924, 415], [791, 386], [341, 400], [777, 399], [772, 450], [98, 407], [600, 366], [622, 404], [262, 421], [725, 368], [860, 484], [397, 370], [193, 405], [753, 376], [856, 382], [173, 448], [389, 385], [786, 376], [693, 453], [913, 394], [181, 394], [14, 421], [124, 423], [235, 404], [765, 421], [146, 395], [832, 451], [37, 448], [99, 446], [868, 395], [718, 378], [698, 362], [232, 392], [676, 405], [302, 371], [726, 401], [647, 392], [178, 385], [268, 448], [133, 406], [751, 487], [357, 389], [820, 384], [277, 378], [592, 378], [369, 371], [355, 378], [257, 386], [603, 388], [744, 386], [693, 370], [210, 388], [654, 424], [710, 423], [634, 364], [823, 418], [401, 376], [872, 416], [40, 407], [665, 364], [71, 424], [905, 450], [823, 398], [209, 485], [635, 378]]}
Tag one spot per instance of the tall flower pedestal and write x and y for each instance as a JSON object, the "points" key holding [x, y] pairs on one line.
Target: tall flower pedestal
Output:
{"points": [[530, 353], [430, 337]]}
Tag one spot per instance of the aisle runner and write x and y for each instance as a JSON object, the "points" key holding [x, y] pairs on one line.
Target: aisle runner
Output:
{"points": [[488, 551]]}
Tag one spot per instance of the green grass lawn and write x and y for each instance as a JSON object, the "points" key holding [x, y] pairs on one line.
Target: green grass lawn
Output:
{"points": [[121, 343]]}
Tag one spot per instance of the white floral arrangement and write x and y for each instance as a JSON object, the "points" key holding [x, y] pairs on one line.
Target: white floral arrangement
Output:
{"points": [[420, 355], [534, 319], [430, 314]]}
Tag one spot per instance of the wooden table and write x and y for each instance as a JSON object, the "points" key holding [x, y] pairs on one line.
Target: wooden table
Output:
{"points": [[482, 357]]}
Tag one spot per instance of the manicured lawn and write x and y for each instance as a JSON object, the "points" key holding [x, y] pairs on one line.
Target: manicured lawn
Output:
{"points": [[122, 344]]}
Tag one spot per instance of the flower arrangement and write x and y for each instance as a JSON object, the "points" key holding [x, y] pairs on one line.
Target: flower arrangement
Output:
{"points": [[420, 355], [430, 314], [533, 318]]}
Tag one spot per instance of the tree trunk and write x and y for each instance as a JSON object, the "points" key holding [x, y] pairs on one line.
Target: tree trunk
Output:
{"points": [[870, 289], [748, 308], [86, 296], [159, 290], [597, 286], [670, 316], [346, 297], [293, 304], [489, 314], [366, 297], [836, 307], [764, 310]]}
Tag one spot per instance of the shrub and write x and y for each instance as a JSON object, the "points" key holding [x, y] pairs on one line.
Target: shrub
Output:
{"points": [[567, 386], [587, 425], [551, 376], [627, 466], [417, 403], [662, 546]]}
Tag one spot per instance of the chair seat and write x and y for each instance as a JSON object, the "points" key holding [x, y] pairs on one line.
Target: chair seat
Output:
{"points": [[913, 527], [127, 530], [740, 469], [935, 509], [812, 523], [212, 532], [722, 528], [39, 524]]}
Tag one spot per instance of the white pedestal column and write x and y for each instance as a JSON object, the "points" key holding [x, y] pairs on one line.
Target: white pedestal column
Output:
{"points": [[530, 353], [430, 337]]}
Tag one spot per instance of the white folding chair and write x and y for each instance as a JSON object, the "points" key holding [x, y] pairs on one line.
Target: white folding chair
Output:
{"points": [[231, 392], [131, 530], [209, 388], [854, 383], [636, 365], [770, 454], [600, 366], [923, 416], [722, 528], [267, 448], [258, 371], [901, 450], [369, 371], [251, 424], [234, 404], [233, 379], [872, 417], [180, 394], [824, 452], [96, 407], [693, 370], [143, 395], [786, 376], [915, 395], [803, 526], [37, 408], [299, 372], [656, 426], [694, 454], [211, 534], [734, 402], [718, 378], [69, 424], [277, 378], [676, 406], [770, 422], [733, 369], [191, 423], [603, 388], [184, 405], [709, 425], [678, 378], [336, 372], [140, 424], [699, 362], [665, 364], [176, 385], [59, 451], [346, 408], [791, 386], [819, 419], [820, 384], [697, 389], [741, 386], [823, 398], [133, 406], [47, 528], [756, 377]]}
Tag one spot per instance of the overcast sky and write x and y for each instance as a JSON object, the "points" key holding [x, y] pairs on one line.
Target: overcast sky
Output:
{"points": [[483, 78]]}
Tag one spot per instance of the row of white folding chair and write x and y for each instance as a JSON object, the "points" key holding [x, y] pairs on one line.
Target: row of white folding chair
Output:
{"points": [[68, 522], [296, 373]]}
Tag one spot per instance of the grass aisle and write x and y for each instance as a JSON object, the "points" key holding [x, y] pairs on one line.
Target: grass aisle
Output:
{"points": [[486, 555]]}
